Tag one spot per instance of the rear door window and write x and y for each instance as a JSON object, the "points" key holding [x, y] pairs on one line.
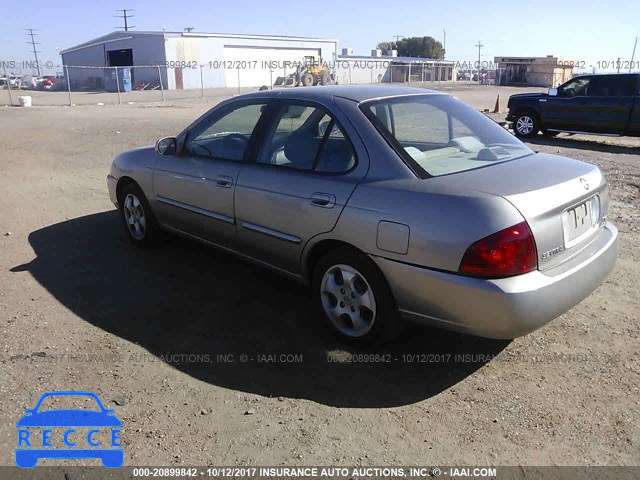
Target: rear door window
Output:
{"points": [[306, 137], [612, 86]]}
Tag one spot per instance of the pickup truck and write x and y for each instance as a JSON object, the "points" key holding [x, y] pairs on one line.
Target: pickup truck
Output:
{"points": [[606, 104]]}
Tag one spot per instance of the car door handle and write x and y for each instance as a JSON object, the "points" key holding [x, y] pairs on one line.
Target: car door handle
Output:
{"points": [[224, 181], [324, 200]]}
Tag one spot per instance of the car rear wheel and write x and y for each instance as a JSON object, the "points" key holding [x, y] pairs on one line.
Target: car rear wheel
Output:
{"points": [[353, 297], [139, 222], [526, 125]]}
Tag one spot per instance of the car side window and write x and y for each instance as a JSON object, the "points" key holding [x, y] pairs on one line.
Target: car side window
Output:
{"points": [[306, 138], [226, 137], [624, 86], [336, 154], [576, 88]]}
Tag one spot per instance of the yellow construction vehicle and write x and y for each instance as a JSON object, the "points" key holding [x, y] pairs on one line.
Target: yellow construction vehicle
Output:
{"points": [[312, 71]]}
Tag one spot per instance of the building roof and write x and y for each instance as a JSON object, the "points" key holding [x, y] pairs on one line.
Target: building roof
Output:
{"points": [[122, 35], [389, 58]]}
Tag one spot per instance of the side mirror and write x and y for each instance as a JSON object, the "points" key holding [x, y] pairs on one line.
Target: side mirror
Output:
{"points": [[553, 92], [167, 146]]}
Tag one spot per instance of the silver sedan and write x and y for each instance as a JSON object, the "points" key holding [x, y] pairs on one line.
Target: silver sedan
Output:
{"points": [[392, 204]]}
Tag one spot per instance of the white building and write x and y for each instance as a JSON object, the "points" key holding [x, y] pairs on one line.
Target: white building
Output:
{"points": [[378, 68], [193, 60]]}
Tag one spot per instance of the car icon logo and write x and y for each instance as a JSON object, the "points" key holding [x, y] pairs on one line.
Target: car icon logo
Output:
{"points": [[69, 433], [584, 183]]}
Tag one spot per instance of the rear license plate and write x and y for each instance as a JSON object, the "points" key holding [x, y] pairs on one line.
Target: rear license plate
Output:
{"points": [[578, 221]]}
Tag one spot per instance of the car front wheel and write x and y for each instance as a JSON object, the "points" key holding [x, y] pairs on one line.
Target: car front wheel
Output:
{"points": [[137, 217], [354, 298], [526, 125]]}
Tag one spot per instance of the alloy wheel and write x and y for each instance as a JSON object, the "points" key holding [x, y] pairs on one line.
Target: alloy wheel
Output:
{"points": [[348, 300], [134, 216]]}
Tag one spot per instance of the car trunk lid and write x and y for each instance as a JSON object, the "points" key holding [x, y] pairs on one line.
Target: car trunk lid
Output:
{"points": [[564, 201]]}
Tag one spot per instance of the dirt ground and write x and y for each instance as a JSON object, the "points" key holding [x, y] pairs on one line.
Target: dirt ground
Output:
{"points": [[151, 331]]}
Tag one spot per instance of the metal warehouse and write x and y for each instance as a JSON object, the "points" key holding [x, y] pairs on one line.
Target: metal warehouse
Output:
{"points": [[185, 60]]}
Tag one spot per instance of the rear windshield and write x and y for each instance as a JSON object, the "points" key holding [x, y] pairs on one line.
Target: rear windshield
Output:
{"points": [[439, 135]]}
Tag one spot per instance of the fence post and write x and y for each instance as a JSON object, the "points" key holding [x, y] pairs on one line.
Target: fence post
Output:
{"points": [[66, 74], [201, 82], [161, 87], [118, 85], [8, 85]]}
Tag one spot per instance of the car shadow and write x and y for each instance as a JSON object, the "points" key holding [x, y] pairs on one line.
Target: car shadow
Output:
{"points": [[582, 143], [227, 322]]}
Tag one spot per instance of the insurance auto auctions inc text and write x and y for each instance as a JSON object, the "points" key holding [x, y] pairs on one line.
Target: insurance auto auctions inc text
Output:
{"points": [[358, 472]]}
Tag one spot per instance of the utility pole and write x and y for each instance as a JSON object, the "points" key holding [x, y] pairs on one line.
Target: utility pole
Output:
{"points": [[633, 55], [188, 29], [444, 43], [398, 37], [125, 17], [479, 45], [33, 45]]}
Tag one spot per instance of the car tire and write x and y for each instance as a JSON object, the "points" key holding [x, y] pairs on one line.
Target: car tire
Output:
{"points": [[137, 218], [526, 125], [352, 296]]}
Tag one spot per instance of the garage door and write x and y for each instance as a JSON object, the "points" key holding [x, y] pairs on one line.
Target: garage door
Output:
{"points": [[252, 66]]}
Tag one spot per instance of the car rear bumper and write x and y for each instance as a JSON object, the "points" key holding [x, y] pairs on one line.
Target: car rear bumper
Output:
{"points": [[500, 308], [112, 182]]}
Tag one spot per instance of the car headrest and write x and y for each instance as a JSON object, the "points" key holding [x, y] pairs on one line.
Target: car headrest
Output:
{"points": [[301, 149]]}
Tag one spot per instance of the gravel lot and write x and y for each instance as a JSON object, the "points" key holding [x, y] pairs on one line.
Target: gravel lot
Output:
{"points": [[147, 330]]}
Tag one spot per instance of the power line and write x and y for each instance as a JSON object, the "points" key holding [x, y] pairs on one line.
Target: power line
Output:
{"points": [[33, 46], [125, 17]]}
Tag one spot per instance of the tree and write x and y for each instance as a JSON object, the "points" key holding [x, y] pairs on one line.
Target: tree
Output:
{"points": [[386, 46], [425, 47]]}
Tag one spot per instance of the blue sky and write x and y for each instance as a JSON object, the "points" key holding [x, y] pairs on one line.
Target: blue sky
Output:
{"points": [[584, 30]]}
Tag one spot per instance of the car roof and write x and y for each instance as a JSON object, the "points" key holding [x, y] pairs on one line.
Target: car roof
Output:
{"points": [[600, 75], [357, 93]]}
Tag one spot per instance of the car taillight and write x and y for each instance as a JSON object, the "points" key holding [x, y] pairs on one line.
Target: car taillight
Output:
{"points": [[509, 252]]}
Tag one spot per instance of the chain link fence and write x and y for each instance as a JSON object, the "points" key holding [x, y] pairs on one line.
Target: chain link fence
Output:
{"points": [[86, 85]]}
